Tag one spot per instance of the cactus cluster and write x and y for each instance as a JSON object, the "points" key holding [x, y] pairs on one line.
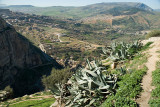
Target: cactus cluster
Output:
{"points": [[89, 84], [121, 51]]}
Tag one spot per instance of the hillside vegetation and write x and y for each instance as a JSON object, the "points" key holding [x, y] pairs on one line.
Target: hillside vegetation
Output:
{"points": [[99, 68], [97, 84], [44, 99], [155, 33], [84, 11], [155, 98], [97, 23]]}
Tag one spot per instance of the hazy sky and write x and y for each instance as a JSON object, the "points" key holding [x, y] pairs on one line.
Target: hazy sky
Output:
{"points": [[152, 3]]}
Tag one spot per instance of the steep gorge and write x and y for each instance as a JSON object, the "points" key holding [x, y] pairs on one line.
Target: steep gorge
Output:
{"points": [[21, 63]]}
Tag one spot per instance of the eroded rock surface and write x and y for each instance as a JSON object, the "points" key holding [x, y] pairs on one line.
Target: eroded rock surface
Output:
{"points": [[21, 63]]}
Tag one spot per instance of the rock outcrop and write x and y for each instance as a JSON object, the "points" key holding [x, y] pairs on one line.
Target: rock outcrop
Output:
{"points": [[3, 95], [21, 63]]}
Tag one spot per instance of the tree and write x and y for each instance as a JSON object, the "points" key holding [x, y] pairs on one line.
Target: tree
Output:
{"points": [[56, 82], [9, 90]]}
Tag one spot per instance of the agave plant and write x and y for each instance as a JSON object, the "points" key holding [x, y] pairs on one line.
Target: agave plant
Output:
{"points": [[88, 84], [122, 51]]}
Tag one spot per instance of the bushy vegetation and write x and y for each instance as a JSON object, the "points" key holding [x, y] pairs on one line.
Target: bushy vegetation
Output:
{"points": [[122, 51], [56, 82], [91, 85], [129, 88], [9, 90], [146, 46], [95, 84], [129, 84], [131, 24], [47, 41], [155, 99], [85, 87], [154, 33], [5, 94]]}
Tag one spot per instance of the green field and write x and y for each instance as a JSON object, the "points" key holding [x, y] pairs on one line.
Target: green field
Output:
{"points": [[34, 103]]}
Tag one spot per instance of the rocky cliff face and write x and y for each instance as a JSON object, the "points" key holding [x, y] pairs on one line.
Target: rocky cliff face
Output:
{"points": [[143, 7], [5, 12], [21, 63]]}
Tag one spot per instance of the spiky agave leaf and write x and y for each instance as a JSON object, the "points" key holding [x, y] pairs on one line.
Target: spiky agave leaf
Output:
{"points": [[88, 84], [122, 51]]}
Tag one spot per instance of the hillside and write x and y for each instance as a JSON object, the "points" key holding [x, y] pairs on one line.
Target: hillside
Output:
{"points": [[128, 85], [62, 38], [103, 18], [84, 11], [21, 63], [106, 61], [158, 10], [104, 26]]}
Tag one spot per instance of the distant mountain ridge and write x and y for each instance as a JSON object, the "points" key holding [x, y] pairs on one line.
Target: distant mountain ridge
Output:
{"points": [[83, 11], [20, 6], [124, 4], [158, 10], [110, 18], [3, 5], [144, 7]]}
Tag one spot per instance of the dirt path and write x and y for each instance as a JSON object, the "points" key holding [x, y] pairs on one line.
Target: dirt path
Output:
{"points": [[147, 79], [42, 48], [59, 35]]}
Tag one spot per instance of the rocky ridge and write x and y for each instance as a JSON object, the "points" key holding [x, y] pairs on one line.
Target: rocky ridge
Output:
{"points": [[17, 57]]}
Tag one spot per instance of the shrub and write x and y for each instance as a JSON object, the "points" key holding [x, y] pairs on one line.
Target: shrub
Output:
{"points": [[122, 51], [129, 88], [146, 46], [155, 33], [9, 90], [156, 77], [155, 99], [56, 82]]}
